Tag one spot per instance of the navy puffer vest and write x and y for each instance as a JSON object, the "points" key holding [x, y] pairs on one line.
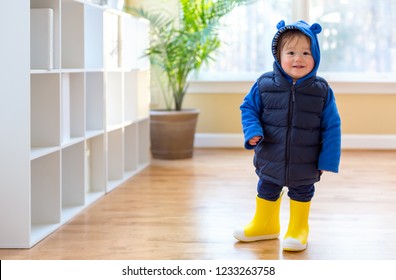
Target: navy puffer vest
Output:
{"points": [[291, 120]]}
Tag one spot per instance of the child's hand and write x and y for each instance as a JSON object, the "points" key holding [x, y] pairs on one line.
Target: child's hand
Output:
{"points": [[254, 140]]}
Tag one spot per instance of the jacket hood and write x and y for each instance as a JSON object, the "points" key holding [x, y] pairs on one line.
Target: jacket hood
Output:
{"points": [[311, 32]]}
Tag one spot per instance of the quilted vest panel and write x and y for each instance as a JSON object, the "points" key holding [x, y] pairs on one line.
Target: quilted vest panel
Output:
{"points": [[291, 121]]}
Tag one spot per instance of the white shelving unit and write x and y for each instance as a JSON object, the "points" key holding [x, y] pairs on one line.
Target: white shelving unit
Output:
{"points": [[75, 131]]}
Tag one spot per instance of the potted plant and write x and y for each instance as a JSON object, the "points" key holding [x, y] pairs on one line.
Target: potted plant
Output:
{"points": [[180, 44]]}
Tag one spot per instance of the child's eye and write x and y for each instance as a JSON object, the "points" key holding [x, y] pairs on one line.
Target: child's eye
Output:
{"points": [[307, 53], [290, 53]]}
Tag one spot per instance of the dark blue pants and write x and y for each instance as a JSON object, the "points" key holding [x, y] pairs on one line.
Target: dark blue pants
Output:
{"points": [[271, 191]]}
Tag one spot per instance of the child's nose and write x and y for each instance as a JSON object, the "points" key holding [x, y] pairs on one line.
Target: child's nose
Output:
{"points": [[298, 57]]}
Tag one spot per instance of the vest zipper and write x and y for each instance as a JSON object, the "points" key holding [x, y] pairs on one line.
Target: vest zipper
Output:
{"points": [[292, 99]]}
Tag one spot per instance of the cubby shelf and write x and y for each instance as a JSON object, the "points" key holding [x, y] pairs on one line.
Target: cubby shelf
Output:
{"points": [[84, 114]]}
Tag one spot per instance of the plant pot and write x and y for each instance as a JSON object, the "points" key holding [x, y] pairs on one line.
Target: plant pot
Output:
{"points": [[172, 133]]}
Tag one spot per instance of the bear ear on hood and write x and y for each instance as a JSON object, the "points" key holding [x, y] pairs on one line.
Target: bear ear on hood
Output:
{"points": [[315, 28], [280, 24]]}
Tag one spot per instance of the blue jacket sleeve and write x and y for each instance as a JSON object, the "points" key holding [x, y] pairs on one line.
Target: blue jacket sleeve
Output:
{"points": [[251, 109], [329, 157]]}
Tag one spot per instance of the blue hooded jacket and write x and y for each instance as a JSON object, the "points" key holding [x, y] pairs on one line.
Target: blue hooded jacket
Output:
{"points": [[298, 123]]}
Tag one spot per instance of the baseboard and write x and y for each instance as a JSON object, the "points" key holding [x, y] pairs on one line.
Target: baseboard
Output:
{"points": [[218, 140], [369, 141], [349, 141]]}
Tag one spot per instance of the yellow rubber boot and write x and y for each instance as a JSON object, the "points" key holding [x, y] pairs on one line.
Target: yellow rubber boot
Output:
{"points": [[265, 224], [297, 234]]}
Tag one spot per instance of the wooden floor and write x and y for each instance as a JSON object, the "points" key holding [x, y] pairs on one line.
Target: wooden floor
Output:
{"points": [[187, 209]]}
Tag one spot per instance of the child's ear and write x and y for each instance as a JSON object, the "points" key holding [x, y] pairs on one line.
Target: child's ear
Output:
{"points": [[280, 24], [316, 28]]}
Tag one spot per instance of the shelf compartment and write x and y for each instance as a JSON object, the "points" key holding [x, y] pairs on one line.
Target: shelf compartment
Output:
{"points": [[143, 94], [114, 89], [128, 43], [115, 169], [93, 34], [94, 103], [45, 110], [82, 39], [72, 34], [142, 44], [131, 149], [54, 6], [41, 39], [73, 172], [143, 132], [130, 96], [72, 107], [111, 47], [45, 195], [95, 168]]}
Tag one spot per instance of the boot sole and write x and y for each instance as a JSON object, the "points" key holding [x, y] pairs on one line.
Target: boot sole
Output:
{"points": [[244, 238], [293, 245]]}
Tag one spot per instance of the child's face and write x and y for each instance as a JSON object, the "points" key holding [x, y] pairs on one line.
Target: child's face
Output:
{"points": [[296, 58]]}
